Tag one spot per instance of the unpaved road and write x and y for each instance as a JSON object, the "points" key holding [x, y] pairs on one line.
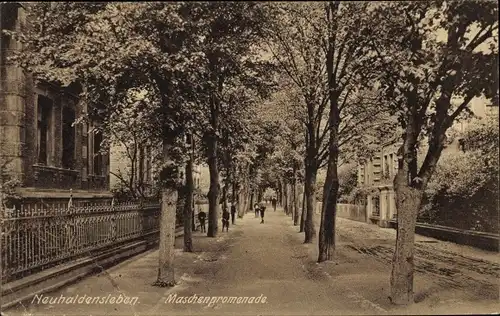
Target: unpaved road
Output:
{"points": [[450, 265]]}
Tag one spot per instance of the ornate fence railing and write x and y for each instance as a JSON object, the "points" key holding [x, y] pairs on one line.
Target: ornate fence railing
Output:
{"points": [[38, 236]]}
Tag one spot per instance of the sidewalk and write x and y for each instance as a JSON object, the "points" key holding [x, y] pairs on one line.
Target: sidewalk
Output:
{"points": [[131, 278]]}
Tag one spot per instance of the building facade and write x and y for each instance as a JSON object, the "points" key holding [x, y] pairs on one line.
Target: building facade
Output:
{"points": [[40, 146], [376, 175]]}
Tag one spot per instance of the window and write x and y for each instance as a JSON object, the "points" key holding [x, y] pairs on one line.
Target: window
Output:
{"points": [[68, 138], [392, 167], [8, 16], [387, 173], [366, 176], [376, 206], [461, 144], [44, 113], [97, 166]]}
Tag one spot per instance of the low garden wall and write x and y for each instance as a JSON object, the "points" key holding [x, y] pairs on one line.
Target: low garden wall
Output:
{"points": [[348, 211], [481, 240], [352, 212]]}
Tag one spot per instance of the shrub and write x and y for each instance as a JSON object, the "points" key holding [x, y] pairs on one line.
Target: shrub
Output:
{"points": [[348, 180], [463, 191]]}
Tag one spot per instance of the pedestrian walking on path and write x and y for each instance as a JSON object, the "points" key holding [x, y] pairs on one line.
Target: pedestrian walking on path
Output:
{"points": [[225, 220], [233, 213], [256, 210], [262, 210], [202, 216], [274, 203]]}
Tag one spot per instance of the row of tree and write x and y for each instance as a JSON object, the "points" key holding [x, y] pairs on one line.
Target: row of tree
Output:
{"points": [[268, 93], [360, 72]]}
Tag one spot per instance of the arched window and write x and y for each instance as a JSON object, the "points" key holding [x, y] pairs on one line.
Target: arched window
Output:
{"points": [[44, 122]]}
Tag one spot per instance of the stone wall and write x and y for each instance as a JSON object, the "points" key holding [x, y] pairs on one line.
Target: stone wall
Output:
{"points": [[19, 97], [13, 93], [352, 212]]}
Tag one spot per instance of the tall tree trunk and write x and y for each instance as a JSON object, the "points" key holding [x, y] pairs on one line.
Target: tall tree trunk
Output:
{"points": [[408, 201], [293, 199], [259, 195], [310, 192], [180, 208], [303, 212], [195, 186], [248, 203], [285, 198], [296, 205], [326, 240], [193, 222], [224, 196], [279, 193], [283, 195], [243, 193], [242, 201], [169, 177], [213, 192], [234, 193], [140, 178], [189, 200], [251, 200], [409, 187]]}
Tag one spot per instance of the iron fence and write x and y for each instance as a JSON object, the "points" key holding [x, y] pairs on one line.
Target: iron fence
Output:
{"points": [[40, 235]]}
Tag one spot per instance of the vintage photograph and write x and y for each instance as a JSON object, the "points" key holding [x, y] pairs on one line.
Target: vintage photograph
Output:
{"points": [[249, 158]]}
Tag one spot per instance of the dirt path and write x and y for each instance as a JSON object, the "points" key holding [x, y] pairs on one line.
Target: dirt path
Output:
{"points": [[268, 259], [451, 265]]}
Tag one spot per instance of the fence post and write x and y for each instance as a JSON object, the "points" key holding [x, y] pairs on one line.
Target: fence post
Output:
{"points": [[113, 221], [71, 224]]}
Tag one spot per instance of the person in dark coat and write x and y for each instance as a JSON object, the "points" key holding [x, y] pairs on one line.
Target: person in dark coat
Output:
{"points": [[262, 210], [233, 213], [202, 216], [274, 203], [256, 210], [225, 220]]}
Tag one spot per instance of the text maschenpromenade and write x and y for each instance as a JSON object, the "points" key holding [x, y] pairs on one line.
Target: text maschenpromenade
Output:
{"points": [[212, 300]]}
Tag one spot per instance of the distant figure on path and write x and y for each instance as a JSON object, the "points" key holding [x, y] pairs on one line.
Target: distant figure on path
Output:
{"points": [[225, 220], [256, 210], [274, 203], [262, 210], [233, 213], [202, 216]]}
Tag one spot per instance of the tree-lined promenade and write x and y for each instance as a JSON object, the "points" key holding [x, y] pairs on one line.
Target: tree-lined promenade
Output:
{"points": [[267, 94], [278, 273]]}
